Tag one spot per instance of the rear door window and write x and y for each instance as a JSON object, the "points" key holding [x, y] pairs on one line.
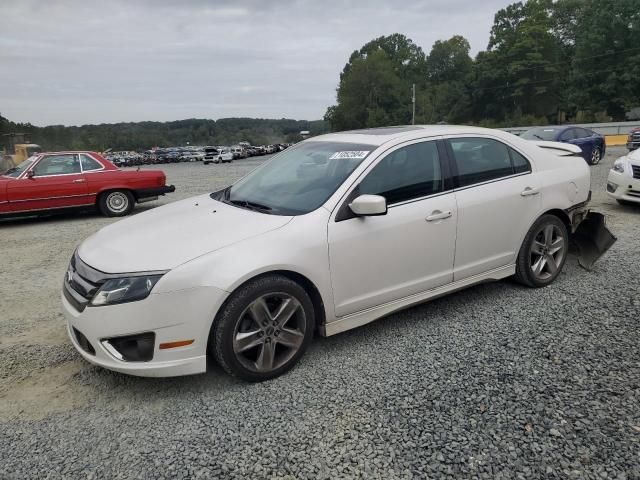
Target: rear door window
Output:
{"points": [[88, 163], [479, 160], [568, 134]]}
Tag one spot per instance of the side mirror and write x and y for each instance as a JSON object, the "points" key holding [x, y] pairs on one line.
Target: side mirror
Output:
{"points": [[30, 174], [369, 205]]}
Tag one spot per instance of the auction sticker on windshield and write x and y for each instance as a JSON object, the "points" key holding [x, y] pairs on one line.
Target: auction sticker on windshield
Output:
{"points": [[357, 154]]}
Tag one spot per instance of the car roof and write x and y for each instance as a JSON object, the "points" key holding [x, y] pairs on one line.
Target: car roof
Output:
{"points": [[379, 136]]}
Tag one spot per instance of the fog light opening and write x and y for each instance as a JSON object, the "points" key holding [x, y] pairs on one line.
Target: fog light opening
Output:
{"points": [[131, 348]]}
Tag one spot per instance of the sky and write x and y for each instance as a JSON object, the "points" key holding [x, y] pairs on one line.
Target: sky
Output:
{"points": [[74, 62]]}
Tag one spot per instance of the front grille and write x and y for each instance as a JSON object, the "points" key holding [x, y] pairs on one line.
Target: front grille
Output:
{"points": [[636, 171], [81, 283]]}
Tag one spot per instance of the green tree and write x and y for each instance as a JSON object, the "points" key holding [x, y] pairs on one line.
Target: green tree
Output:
{"points": [[375, 84], [606, 64], [448, 75]]}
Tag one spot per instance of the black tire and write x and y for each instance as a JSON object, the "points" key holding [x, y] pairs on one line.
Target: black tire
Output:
{"points": [[206, 162], [230, 319], [528, 256], [116, 203], [596, 156]]}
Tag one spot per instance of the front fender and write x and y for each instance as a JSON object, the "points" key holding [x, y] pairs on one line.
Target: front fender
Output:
{"points": [[300, 246]]}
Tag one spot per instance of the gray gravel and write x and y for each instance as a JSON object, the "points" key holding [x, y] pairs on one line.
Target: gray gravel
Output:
{"points": [[498, 381]]}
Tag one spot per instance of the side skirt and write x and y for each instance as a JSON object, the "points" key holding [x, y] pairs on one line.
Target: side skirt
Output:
{"points": [[363, 317]]}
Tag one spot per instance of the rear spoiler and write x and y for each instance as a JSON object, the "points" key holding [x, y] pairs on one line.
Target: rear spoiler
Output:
{"points": [[560, 149]]}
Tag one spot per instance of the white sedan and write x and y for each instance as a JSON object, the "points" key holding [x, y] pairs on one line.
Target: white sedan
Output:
{"points": [[332, 233], [623, 183]]}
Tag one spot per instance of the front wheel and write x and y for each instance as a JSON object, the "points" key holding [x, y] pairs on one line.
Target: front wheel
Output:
{"points": [[264, 329], [116, 204], [543, 252]]}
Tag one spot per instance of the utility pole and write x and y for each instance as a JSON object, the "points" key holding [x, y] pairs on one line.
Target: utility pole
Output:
{"points": [[413, 101]]}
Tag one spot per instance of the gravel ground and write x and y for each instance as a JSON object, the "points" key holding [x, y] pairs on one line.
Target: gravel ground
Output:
{"points": [[497, 381]]}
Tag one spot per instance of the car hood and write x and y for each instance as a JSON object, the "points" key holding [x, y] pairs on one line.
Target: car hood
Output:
{"points": [[634, 157], [168, 236]]}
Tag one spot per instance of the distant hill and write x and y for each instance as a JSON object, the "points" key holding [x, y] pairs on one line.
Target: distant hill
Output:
{"points": [[145, 135]]}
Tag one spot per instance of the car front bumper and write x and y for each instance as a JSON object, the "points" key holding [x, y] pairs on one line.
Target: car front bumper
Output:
{"points": [[182, 315], [622, 186]]}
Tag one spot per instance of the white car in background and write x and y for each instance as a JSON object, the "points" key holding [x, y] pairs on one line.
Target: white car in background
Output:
{"points": [[331, 234], [217, 155], [623, 183]]}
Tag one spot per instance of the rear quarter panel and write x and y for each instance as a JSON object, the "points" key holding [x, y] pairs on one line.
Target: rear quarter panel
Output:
{"points": [[102, 181], [565, 181]]}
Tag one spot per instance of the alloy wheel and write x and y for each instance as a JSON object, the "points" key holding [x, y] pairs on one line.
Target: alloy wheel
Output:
{"points": [[595, 156], [547, 252], [269, 332]]}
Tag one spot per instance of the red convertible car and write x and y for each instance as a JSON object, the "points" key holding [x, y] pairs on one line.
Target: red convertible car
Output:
{"points": [[62, 180]]}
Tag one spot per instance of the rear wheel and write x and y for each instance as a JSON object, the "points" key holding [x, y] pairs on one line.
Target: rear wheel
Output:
{"points": [[596, 156], [264, 329], [117, 203], [543, 252]]}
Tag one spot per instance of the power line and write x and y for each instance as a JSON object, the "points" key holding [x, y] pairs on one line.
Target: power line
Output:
{"points": [[584, 58], [536, 82]]}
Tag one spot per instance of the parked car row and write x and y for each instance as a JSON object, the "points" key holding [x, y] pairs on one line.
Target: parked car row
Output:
{"points": [[190, 154]]}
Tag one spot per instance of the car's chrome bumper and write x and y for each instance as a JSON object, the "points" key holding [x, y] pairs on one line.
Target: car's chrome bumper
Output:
{"points": [[177, 316]]}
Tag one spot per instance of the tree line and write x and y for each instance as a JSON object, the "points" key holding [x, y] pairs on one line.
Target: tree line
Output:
{"points": [[547, 61], [145, 135]]}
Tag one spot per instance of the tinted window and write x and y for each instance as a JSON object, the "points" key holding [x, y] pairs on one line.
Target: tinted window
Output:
{"points": [[480, 160], [89, 163], [583, 132], [57, 165], [568, 134], [520, 164], [407, 173], [545, 133]]}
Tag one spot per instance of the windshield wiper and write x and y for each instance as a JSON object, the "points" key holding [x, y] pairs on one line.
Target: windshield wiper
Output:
{"points": [[250, 205], [537, 136], [11, 170]]}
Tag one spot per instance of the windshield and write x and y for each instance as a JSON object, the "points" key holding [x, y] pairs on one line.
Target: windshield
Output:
{"points": [[298, 180], [16, 171], [547, 133]]}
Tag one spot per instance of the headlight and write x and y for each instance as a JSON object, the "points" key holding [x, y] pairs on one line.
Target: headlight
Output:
{"points": [[121, 290], [618, 166]]}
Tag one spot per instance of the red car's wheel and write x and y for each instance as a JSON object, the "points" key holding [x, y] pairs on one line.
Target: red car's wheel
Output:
{"points": [[116, 203]]}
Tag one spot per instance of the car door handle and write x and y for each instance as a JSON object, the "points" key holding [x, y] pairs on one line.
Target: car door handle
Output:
{"points": [[529, 191], [79, 180], [438, 215]]}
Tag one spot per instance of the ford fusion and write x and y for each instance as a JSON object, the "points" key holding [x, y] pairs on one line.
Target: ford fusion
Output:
{"points": [[328, 235]]}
